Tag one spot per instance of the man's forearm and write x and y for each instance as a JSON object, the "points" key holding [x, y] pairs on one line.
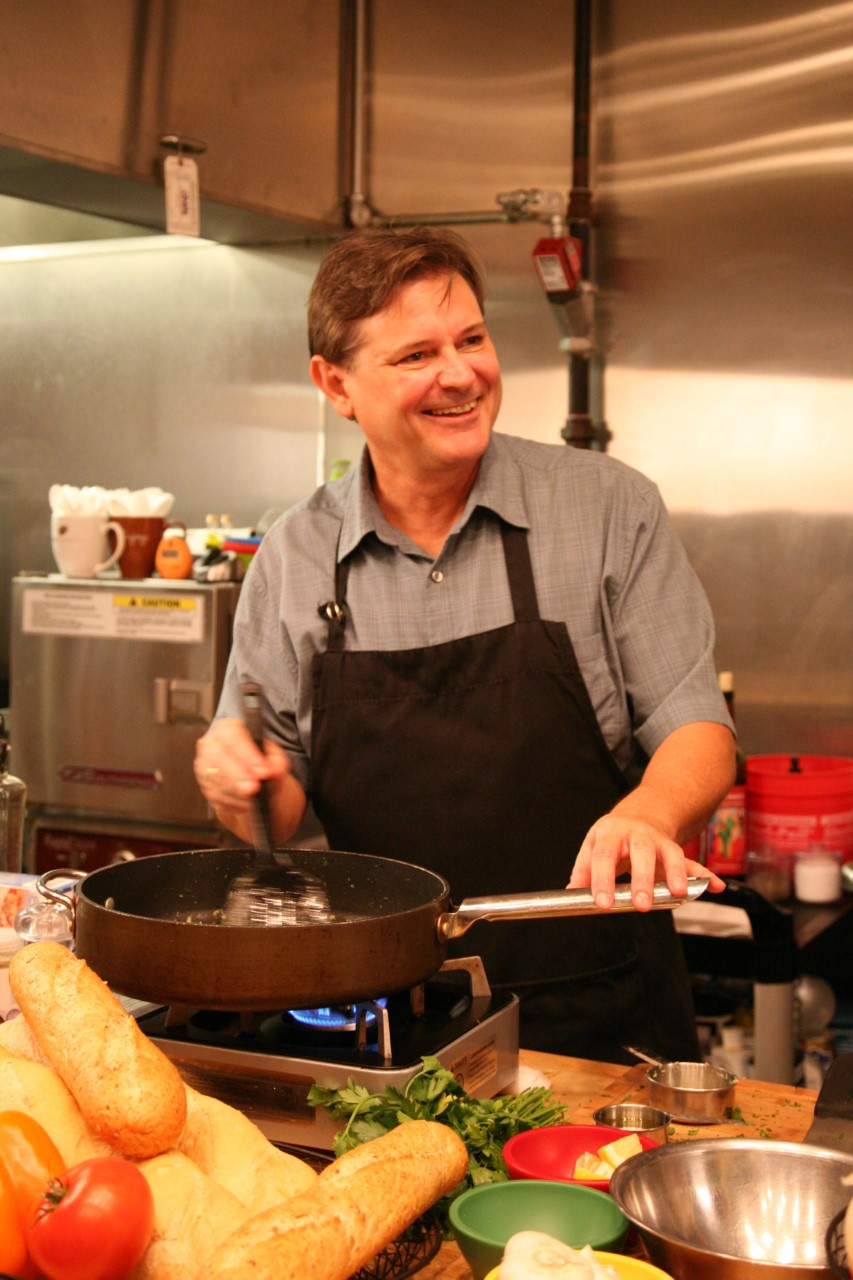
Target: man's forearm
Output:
{"points": [[684, 781]]}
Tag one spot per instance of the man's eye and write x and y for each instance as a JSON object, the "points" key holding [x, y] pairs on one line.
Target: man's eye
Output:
{"points": [[414, 357], [473, 340]]}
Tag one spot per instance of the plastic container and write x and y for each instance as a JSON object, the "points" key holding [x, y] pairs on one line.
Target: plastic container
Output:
{"points": [[725, 849], [800, 802], [771, 874], [817, 876]]}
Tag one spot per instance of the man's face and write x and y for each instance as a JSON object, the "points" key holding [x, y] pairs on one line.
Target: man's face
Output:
{"points": [[424, 384]]}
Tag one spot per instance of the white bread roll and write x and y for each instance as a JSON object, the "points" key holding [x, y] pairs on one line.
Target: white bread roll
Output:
{"points": [[192, 1213], [128, 1090], [16, 1037], [229, 1147], [358, 1205], [38, 1091]]}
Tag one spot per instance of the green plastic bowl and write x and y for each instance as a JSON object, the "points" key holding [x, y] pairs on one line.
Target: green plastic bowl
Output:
{"points": [[484, 1218]]}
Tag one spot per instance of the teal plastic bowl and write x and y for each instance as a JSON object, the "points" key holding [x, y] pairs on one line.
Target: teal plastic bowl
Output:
{"points": [[484, 1218]]}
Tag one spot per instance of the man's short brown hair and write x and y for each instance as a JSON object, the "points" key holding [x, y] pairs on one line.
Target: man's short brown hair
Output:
{"points": [[363, 272]]}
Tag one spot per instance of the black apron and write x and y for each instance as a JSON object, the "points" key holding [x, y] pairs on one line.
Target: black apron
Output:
{"points": [[482, 759]]}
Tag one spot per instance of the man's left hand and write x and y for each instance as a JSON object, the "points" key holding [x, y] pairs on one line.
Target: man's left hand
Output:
{"points": [[616, 844]]}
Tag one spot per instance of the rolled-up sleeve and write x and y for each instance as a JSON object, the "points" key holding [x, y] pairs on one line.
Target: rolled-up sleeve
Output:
{"points": [[662, 624]]}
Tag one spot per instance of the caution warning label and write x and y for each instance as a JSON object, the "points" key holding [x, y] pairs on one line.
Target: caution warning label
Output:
{"points": [[120, 615]]}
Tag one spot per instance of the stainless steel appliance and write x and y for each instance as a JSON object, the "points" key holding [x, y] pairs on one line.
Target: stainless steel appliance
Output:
{"points": [[113, 682], [264, 1064]]}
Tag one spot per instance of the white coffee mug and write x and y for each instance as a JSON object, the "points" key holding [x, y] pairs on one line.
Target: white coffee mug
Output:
{"points": [[79, 544]]}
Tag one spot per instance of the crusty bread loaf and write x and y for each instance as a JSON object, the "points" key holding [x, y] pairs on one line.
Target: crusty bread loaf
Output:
{"points": [[358, 1204], [37, 1090], [227, 1146], [192, 1213], [128, 1090]]}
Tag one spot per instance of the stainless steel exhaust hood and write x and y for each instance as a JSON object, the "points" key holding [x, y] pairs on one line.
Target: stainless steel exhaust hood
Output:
{"points": [[47, 201], [92, 99]]}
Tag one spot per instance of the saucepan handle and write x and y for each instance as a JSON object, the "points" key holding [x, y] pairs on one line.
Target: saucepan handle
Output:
{"points": [[557, 902]]}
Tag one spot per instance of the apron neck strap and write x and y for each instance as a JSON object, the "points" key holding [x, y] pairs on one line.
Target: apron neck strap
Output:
{"points": [[519, 572]]}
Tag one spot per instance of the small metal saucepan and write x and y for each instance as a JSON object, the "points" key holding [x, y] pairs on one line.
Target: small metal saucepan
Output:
{"points": [[691, 1092], [635, 1117]]}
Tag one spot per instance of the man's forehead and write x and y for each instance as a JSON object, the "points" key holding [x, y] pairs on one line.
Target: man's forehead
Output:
{"points": [[415, 302]]}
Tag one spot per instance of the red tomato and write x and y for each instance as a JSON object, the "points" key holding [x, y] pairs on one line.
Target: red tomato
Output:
{"points": [[13, 1249], [30, 1159], [94, 1222]]}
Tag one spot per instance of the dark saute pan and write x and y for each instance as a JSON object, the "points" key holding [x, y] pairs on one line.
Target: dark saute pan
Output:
{"points": [[137, 925]]}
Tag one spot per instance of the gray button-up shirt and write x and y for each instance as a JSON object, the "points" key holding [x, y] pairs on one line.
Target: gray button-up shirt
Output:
{"points": [[606, 562]]}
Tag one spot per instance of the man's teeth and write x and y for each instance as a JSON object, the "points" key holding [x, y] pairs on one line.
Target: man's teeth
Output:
{"points": [[453, 411]]}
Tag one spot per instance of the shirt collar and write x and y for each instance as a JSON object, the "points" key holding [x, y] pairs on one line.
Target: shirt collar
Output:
{"points": [[497, 488]]}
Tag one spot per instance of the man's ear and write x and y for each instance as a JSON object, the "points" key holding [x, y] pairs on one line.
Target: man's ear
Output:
{"points": [[331, 381]]}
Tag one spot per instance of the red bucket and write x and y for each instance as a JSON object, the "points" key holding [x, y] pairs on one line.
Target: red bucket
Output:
{"points": [[797, 803]]}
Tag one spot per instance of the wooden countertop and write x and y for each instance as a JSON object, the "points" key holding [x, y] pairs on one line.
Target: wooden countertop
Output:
{"points": [[761, 1110]]}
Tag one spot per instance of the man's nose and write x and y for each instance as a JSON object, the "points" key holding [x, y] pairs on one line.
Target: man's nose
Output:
{"points": [[455, 369]]}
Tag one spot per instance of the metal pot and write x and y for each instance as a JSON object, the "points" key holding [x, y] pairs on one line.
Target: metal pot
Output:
{"points": [[690, 1092], [143, 927]]}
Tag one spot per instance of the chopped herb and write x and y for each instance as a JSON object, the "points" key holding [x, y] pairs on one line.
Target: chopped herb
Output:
{"points": [[483, 1124], [735, 1115]]}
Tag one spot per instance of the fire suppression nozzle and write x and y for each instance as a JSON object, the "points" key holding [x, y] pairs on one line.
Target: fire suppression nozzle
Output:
{"points": [[558, 265]]}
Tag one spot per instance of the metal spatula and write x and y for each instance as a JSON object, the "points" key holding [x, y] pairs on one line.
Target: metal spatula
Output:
{"points": [[273, 890]]}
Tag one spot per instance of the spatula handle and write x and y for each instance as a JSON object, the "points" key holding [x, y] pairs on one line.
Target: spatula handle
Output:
{"points": [[253, 717]]}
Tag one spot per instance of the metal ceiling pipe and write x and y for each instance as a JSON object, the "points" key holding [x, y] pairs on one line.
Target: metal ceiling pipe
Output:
{"points": [[580, 430], [358, 210]]}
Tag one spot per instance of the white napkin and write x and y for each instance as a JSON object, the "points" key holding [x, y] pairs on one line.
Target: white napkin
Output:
{"points": [[66, 499], [140, 502]]}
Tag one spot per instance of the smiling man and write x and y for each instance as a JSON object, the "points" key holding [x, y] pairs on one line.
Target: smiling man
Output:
{"points": [[483, 655]]}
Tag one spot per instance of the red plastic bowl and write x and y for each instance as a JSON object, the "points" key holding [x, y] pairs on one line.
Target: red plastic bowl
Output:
{"points": [[551, 1153]]}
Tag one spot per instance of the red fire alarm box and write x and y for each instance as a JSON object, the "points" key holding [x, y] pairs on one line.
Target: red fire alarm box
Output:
{"points": [[558, 265]]}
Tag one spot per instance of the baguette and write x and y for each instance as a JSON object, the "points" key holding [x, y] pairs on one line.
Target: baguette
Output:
{"points": [[127, 1089], [37, 1090], [229, 1147], [192, 1213], [357, 1205]]}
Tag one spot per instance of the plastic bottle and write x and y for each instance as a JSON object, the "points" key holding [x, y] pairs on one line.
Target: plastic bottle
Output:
{"points": [[13, 804], [725, 846]]}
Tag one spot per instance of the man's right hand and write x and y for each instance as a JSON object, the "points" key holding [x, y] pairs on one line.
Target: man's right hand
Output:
{"points": [[229, 770]]}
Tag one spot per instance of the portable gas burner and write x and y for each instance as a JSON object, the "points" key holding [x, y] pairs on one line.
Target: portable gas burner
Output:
{"points": [[265, 1063]]}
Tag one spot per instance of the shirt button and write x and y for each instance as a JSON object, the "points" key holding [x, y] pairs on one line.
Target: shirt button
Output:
{"points": [[437, 575]]}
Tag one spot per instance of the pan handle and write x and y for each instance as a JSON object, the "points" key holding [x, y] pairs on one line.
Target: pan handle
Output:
{"points": [[557, 902]]}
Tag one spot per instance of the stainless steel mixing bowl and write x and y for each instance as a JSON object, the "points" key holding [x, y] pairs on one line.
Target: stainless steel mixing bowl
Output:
{"points": [[734, 1208]]}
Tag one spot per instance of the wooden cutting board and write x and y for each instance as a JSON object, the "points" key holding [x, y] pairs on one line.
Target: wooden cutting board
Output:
{"points": [[760, 1110]]}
